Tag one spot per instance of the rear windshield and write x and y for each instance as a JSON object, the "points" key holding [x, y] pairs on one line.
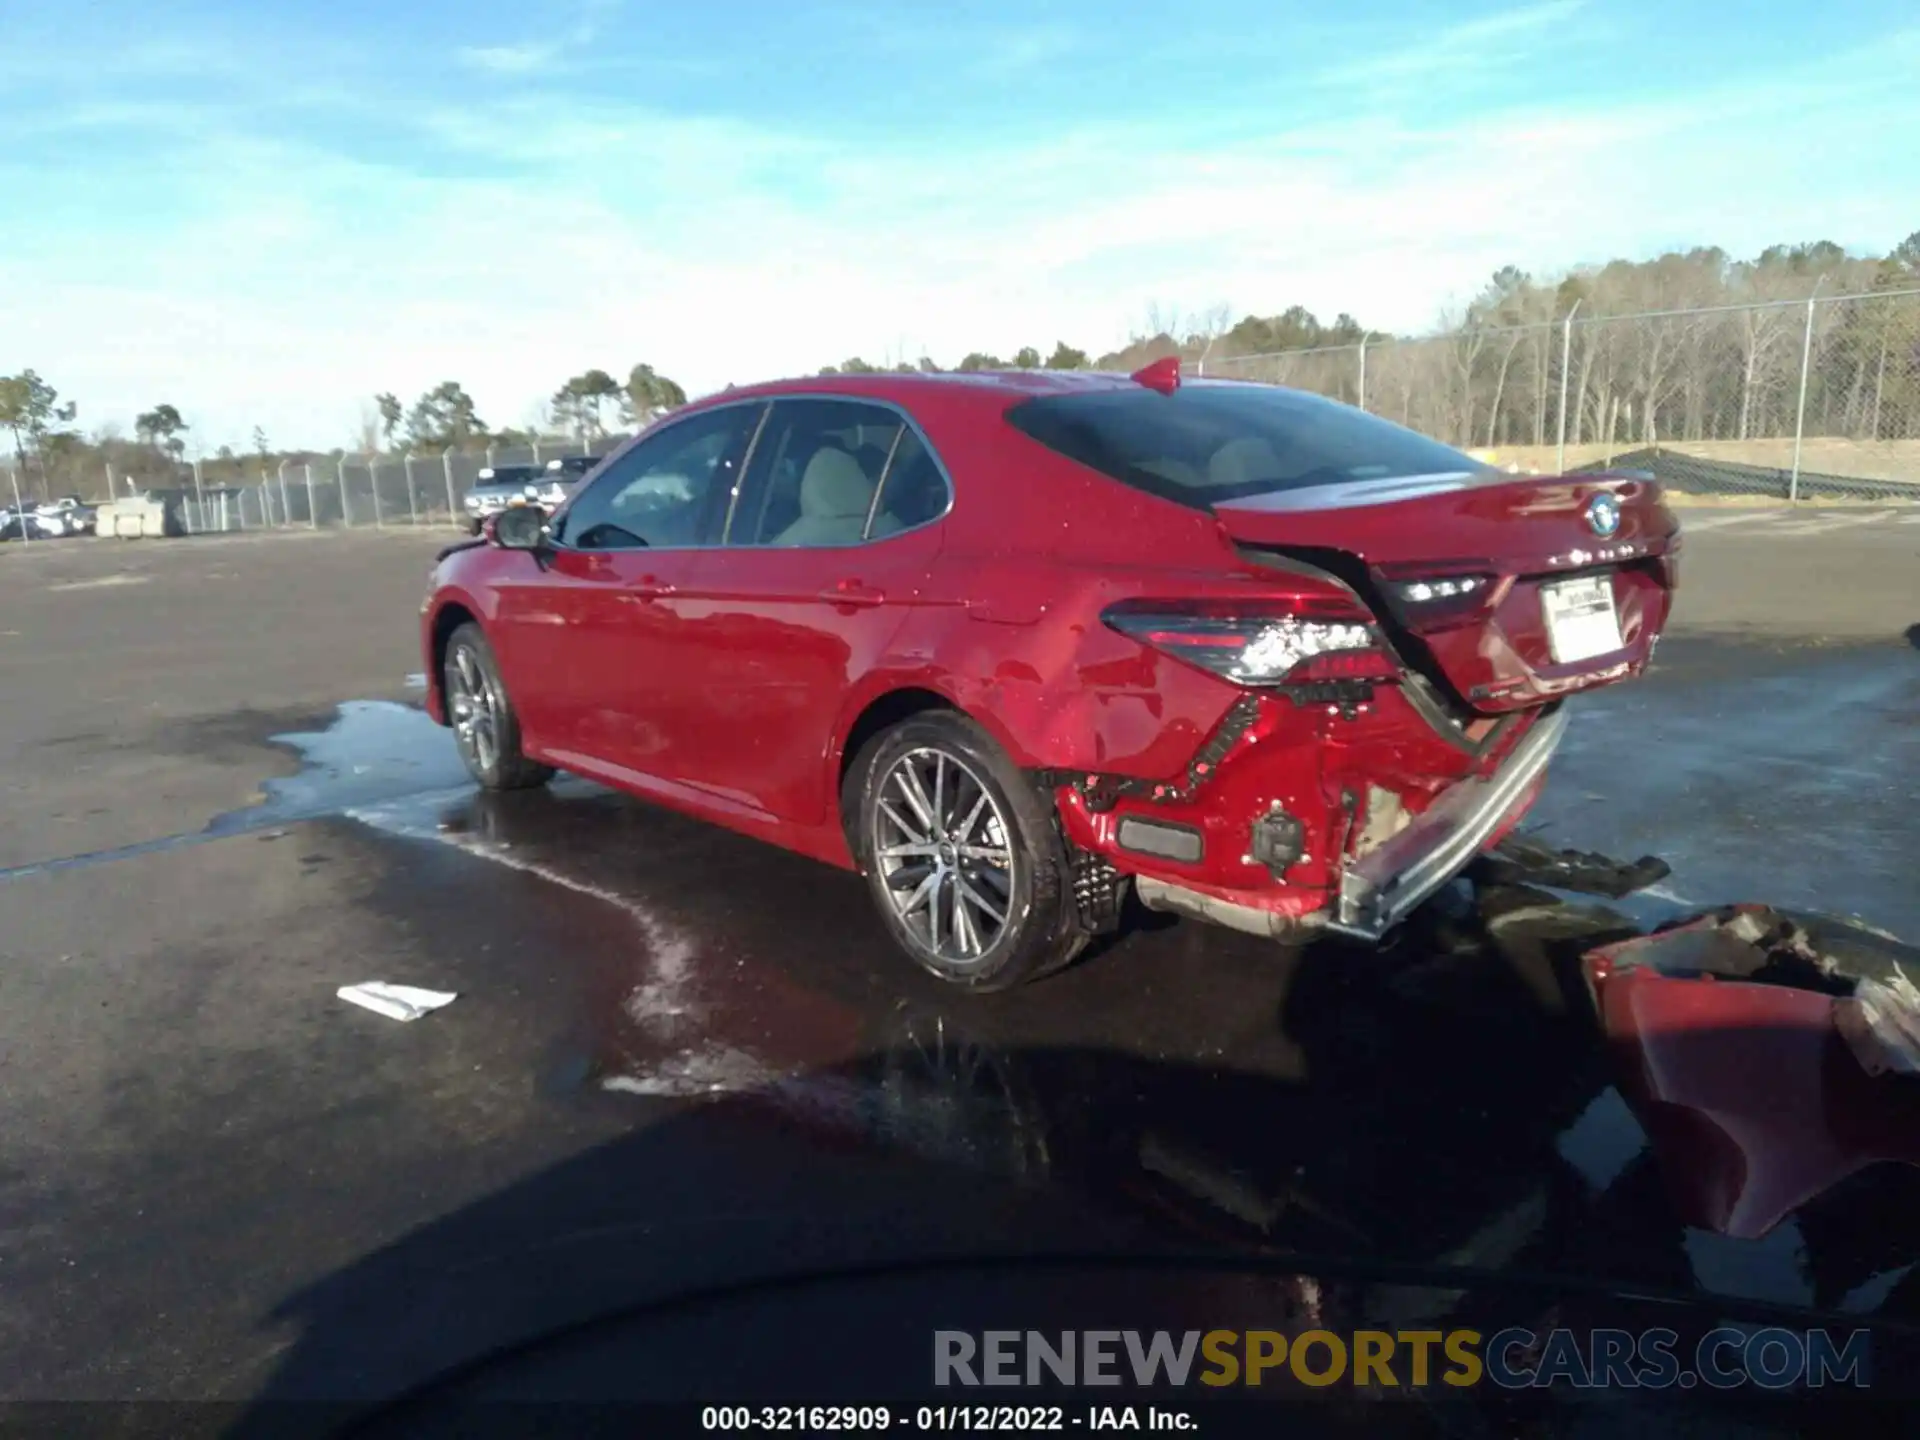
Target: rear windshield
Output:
{"points": [[1208, 443]]}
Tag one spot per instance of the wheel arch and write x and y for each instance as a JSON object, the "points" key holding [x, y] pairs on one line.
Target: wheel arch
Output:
{"points": [[886, 708], [449, 617]]}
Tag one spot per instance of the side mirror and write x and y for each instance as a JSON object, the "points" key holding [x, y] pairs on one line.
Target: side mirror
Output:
{"points": [[521, 527]]}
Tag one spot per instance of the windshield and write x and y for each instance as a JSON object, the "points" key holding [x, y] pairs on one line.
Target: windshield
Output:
{"points": [[1204, 443]]}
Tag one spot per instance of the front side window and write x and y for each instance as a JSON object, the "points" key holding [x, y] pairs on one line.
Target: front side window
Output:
{"points": [[1207, 444], [665, 490], [814, 474]]}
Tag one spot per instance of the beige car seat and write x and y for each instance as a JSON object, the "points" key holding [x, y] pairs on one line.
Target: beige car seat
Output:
{"points": [[835, 495], [1241, 462]]}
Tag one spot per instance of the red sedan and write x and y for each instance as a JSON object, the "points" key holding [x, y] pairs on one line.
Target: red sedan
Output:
{"points": [[1005, 643]]}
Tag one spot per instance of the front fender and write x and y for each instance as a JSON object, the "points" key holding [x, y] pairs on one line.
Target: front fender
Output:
{"points": [[441, 612]]}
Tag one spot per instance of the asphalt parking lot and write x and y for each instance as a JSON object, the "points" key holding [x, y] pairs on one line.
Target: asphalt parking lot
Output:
{"points": [[217, 1181]]}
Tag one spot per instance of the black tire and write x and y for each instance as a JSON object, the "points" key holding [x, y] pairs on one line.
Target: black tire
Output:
{"points": [[1040, 929], [474, 527], [469, 670]]}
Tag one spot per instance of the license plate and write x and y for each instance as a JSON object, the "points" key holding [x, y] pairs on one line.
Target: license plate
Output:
{"points": [[1581, 620]]}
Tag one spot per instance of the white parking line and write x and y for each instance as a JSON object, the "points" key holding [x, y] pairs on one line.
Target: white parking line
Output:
{"points": [[1720, 522], [1821, 524]]}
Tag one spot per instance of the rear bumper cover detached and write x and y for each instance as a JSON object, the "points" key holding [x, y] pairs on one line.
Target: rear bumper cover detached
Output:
{"points": [[1381, 888]]}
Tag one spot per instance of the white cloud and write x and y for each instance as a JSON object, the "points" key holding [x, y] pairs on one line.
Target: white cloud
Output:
{"points": [[508, 59], [1470, 47], [565, 234], [531, 57]]}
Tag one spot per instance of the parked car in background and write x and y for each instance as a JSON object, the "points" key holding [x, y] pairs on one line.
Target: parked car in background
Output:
{"points": [[498, 487], [21, 523], [69, 515], [563, 475], [47, 519], [1011, 643]]}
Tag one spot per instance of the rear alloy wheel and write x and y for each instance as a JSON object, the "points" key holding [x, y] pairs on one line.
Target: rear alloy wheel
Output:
{"points": [[484, 725], [963, 857]]}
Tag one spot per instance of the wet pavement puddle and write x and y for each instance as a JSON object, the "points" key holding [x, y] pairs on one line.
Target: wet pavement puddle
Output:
{"points": [[1265, 1098], [1462, 1065]]}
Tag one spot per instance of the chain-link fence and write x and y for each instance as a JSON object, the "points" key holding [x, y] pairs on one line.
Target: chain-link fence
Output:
{"points": [[351, 491], [1817, 398], [328, 492]]}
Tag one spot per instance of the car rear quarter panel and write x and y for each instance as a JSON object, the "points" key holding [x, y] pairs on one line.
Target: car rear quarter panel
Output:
{"points": [[1007, 625], [1010, 631]]}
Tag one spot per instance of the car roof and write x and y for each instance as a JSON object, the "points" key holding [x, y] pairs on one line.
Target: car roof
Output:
{"points": [[903, 387]]}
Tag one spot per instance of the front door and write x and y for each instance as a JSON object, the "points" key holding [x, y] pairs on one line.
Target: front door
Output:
{"points": [[628, 549]]}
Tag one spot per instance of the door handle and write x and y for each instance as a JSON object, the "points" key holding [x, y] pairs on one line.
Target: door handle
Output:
{"points": [[853, 592], [648, 587]]}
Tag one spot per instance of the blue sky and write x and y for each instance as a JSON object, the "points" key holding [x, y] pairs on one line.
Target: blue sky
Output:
{"points": [[266, 214]]}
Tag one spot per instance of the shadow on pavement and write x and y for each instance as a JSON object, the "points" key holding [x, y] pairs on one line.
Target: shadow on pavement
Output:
{"points": [[1448, 1152]]}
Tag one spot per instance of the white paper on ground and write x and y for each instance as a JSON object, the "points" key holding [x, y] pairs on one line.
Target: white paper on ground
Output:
{"points": [[396, 1002]]}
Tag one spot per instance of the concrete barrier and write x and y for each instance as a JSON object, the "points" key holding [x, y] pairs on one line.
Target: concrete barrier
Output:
{"points": [[139, 520]]}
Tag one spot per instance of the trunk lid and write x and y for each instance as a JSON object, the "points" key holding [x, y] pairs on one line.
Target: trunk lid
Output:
{"points": [[1510, 590]]}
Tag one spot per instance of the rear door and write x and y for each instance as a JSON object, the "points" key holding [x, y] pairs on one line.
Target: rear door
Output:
{"points": [[605, 624], [1509, 589], [828, 542]]}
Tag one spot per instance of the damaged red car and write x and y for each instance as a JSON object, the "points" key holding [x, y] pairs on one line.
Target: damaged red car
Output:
{"points": [[1008, 644]]}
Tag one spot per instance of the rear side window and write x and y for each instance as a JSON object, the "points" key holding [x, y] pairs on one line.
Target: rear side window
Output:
{"points": [[915, 490], [814, 473], [1208, 443]]}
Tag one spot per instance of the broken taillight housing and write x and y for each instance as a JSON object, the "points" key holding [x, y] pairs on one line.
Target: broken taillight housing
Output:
{"points": [[1429, 602], [1307, 645], [1441, 589]]}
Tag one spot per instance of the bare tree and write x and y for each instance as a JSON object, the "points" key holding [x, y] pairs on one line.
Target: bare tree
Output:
{"points": [[1209, 327], [367, 432]]}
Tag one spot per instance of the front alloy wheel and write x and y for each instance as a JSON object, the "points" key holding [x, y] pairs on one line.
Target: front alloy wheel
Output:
{"points": [[485, 728]]}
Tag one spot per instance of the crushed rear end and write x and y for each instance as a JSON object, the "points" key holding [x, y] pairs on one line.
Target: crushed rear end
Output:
{"points": [[1396, 653]]}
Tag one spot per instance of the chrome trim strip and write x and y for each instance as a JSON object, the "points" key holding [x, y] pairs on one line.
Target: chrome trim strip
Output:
{"points": [[1383, 490], [1380, 889], [740, 480], [886, 469]]}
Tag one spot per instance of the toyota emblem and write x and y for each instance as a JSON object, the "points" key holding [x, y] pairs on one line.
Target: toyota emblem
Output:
{"points": [[1603, 515]]}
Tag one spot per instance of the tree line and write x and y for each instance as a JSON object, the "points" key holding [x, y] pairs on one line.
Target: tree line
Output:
{"points": [[1689, 346], [52, 456], [1713, 354], [446, 418]]}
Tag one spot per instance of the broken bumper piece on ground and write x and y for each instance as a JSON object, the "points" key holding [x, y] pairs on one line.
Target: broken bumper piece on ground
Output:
{"points": [[1523, 860], [1767, 1057]]}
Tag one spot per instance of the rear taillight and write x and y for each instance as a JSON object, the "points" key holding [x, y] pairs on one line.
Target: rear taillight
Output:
{"points": [[1306, 644]]}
